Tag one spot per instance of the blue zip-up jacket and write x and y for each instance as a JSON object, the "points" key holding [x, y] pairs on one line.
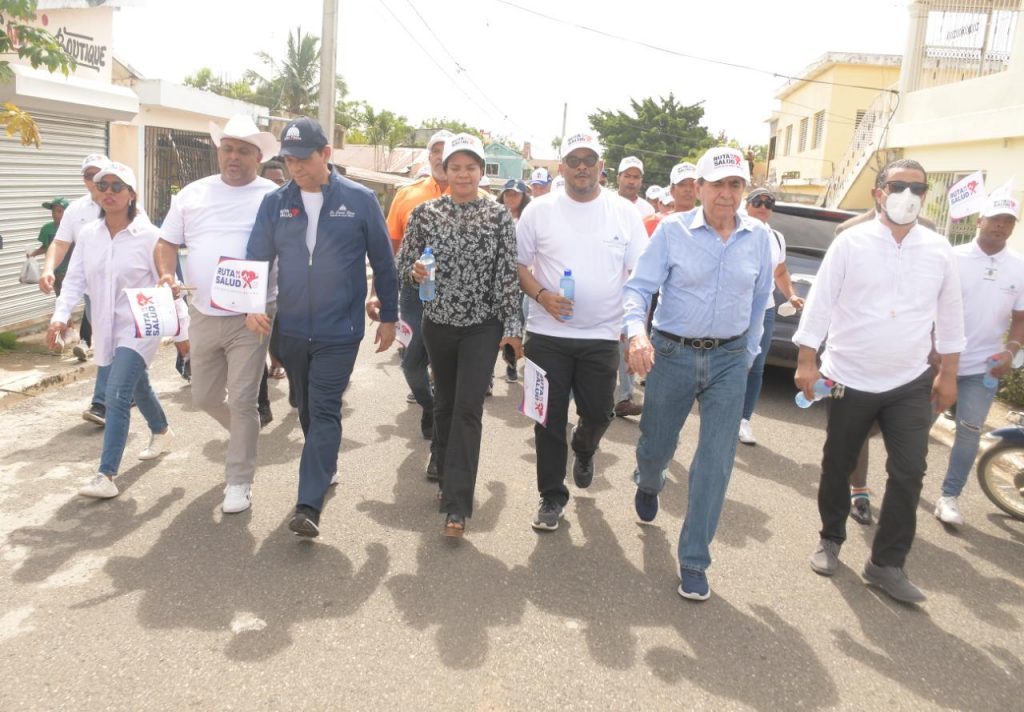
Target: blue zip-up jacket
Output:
{"points": [[321, 296]]}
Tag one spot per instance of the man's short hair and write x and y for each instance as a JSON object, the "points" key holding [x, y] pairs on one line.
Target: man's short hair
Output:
{"points": [[910, 164], [272, 165]]}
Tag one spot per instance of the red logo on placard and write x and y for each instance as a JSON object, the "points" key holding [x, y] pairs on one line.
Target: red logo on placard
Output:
{"points": [[248, 277], [143, 300], [973, 186]]}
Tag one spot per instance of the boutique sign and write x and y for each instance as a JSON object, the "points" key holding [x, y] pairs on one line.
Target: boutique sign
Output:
{"points": [[79, 42], [82, 48]]}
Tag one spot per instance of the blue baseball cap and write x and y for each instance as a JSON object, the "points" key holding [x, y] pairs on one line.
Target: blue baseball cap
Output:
{"points": [[301, 137]]}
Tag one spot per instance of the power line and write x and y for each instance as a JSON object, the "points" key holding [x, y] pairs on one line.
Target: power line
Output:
{"points": [[656, 48]]}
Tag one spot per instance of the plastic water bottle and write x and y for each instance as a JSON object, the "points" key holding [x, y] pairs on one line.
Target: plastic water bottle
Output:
{"points": [[988, 380], [567, 289], [428, 287], [822, 389]]}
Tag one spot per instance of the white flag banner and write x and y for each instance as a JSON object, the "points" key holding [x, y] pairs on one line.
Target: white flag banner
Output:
{"points": [[154, 312], [240, 286], [967, 196], [535, 393], [403, 333]]}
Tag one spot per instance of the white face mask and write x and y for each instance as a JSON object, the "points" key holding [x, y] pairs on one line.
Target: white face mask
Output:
{"points": [[902, 208]]}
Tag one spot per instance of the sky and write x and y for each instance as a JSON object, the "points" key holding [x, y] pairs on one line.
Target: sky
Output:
{"points": [[509, 71]]}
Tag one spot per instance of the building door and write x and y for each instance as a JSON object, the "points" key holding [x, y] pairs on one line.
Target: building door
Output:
{"points": [[173, 160]]}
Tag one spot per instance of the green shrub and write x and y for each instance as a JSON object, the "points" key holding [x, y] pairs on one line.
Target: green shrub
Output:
{"points": [[1011, 390], [7, 341]]}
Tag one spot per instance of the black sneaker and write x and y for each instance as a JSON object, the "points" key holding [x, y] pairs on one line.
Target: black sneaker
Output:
{"points": [[305, 521], [646, 505], [427, 424], [860, 510], [547, 517], [509, 354], [582, 470], [265, 415], [432, 474], [96, 414]]}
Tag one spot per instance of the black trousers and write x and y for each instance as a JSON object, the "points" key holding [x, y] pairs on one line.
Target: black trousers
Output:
{"points": [[904, 415], [462, 358], [588, 369]]}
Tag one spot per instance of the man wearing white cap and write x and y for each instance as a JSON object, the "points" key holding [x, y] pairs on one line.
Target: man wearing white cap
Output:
{"points": [[653, 195], [992, 286], [213, 217], [79, 213], [540, 182], [630, 178], [886, 295], [592, 236], [713, 269], [414, 360]]}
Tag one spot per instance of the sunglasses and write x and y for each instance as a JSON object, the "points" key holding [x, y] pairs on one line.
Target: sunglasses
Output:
{"points": [[115, 187], [898, 186], [574, 161], [760, 202]]}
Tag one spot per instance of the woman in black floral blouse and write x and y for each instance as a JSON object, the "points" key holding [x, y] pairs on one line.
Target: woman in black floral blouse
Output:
{"points": [[475, 312]]}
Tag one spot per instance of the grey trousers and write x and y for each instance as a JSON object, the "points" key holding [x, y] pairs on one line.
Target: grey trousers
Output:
{"points": [[228, 360]]}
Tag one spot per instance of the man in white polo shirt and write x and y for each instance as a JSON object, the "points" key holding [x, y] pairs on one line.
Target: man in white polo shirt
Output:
{"points": [[992, 285], [213, 217], [597, 237], [882, 287], [630, 179]]}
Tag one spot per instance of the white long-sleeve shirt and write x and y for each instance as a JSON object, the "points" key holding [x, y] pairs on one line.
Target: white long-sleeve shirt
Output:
{"points": [[876, 301], [105, 266]]}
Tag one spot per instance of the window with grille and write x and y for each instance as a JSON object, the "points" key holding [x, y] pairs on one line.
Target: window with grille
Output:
{"points": [[819, 129], [803, 135], [491, 169], [860, 117]]}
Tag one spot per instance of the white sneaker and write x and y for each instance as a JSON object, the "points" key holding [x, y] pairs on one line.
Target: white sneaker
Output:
{"points": [[747, 433], [237, 498], [159, 443], [947, 509], [100, 487], [335, 479]]}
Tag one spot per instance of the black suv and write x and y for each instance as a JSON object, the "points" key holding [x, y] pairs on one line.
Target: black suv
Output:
{"points": [[809, 231]]}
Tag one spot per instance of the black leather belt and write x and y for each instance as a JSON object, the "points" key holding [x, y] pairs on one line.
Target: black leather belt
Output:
{"points": [[700, 343]]}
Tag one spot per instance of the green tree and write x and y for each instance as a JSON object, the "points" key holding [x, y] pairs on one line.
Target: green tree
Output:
{"points": [[384, 129], [452, 125], [204, 79], [36, 45], [660, 132]]}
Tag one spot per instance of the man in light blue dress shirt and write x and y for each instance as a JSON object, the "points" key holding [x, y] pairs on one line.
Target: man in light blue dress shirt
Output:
{"points": [[713, 269]]}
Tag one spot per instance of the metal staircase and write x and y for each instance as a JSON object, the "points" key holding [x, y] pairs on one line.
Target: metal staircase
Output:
{"points": [[868, 139]]}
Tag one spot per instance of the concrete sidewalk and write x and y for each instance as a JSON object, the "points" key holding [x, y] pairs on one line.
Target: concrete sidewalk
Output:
{"points": [[31, 369]]}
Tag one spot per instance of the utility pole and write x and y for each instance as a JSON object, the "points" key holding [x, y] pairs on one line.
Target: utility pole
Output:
{"points": [[565, 113], [328, 67]]}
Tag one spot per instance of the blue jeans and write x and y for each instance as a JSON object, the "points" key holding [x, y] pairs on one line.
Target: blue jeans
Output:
{"points": [[415, 360], [127, 378], [715, 378], [756, 373], [973, 401], [99, 390], [320, 372], [624, 389]]}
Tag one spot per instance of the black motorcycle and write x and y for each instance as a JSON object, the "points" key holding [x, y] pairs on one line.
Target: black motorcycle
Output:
{"points": [[1001, 468]]}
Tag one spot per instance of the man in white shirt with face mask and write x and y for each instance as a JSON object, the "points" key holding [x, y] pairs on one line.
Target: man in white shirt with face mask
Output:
{"points": [[881, 288]]}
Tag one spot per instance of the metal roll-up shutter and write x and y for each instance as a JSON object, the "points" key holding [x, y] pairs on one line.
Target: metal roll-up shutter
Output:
{"points": [[28, 177]]}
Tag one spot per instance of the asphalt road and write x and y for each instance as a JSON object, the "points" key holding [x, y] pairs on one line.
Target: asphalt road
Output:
{"points": [[156, 600]]}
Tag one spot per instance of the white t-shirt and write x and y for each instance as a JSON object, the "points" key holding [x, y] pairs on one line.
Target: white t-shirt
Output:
{"points": [[642, 206], [313, 203], [778, 245], [214, 220], [599, 241], [993, 288], [79, 213]]}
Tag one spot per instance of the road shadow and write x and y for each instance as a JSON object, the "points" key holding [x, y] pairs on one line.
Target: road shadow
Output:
{"points": [[206, 573], [955, 675]]}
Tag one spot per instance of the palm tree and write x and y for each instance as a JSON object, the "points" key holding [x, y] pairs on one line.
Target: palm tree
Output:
{"points": [[294, 83]]}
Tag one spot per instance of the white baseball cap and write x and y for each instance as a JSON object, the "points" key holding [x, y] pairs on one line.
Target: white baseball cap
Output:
{"points": [[540, 176], [119, 170], [722, 162], [95, 160], [682, 171], [631, 162], [463, 142], [654, 192], [666, 196], [582, 139], [558, 183], [439, 137], [1001, 203]]}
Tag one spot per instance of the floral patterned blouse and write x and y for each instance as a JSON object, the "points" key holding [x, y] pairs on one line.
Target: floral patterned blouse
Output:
{"points": [[474, 245]]}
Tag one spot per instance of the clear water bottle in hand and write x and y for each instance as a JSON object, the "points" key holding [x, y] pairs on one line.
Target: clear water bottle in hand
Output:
{"points": [[988, 380], [567, 289], [428, 287], [822, 389]]}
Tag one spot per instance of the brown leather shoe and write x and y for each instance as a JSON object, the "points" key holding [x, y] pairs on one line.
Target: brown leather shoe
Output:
{"points": [[627, 407]]}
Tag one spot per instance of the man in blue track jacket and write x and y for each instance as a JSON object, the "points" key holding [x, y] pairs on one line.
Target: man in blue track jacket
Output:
{"points": [[320, 228]]}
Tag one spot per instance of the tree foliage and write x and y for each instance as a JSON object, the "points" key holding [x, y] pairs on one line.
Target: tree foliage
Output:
{"points": [[36, 45], [206, 80], [452, 125], [660, 132]]}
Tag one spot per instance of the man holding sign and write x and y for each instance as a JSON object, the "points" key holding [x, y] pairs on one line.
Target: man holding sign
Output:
{"points": [[319, 229], [213, 217]]}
